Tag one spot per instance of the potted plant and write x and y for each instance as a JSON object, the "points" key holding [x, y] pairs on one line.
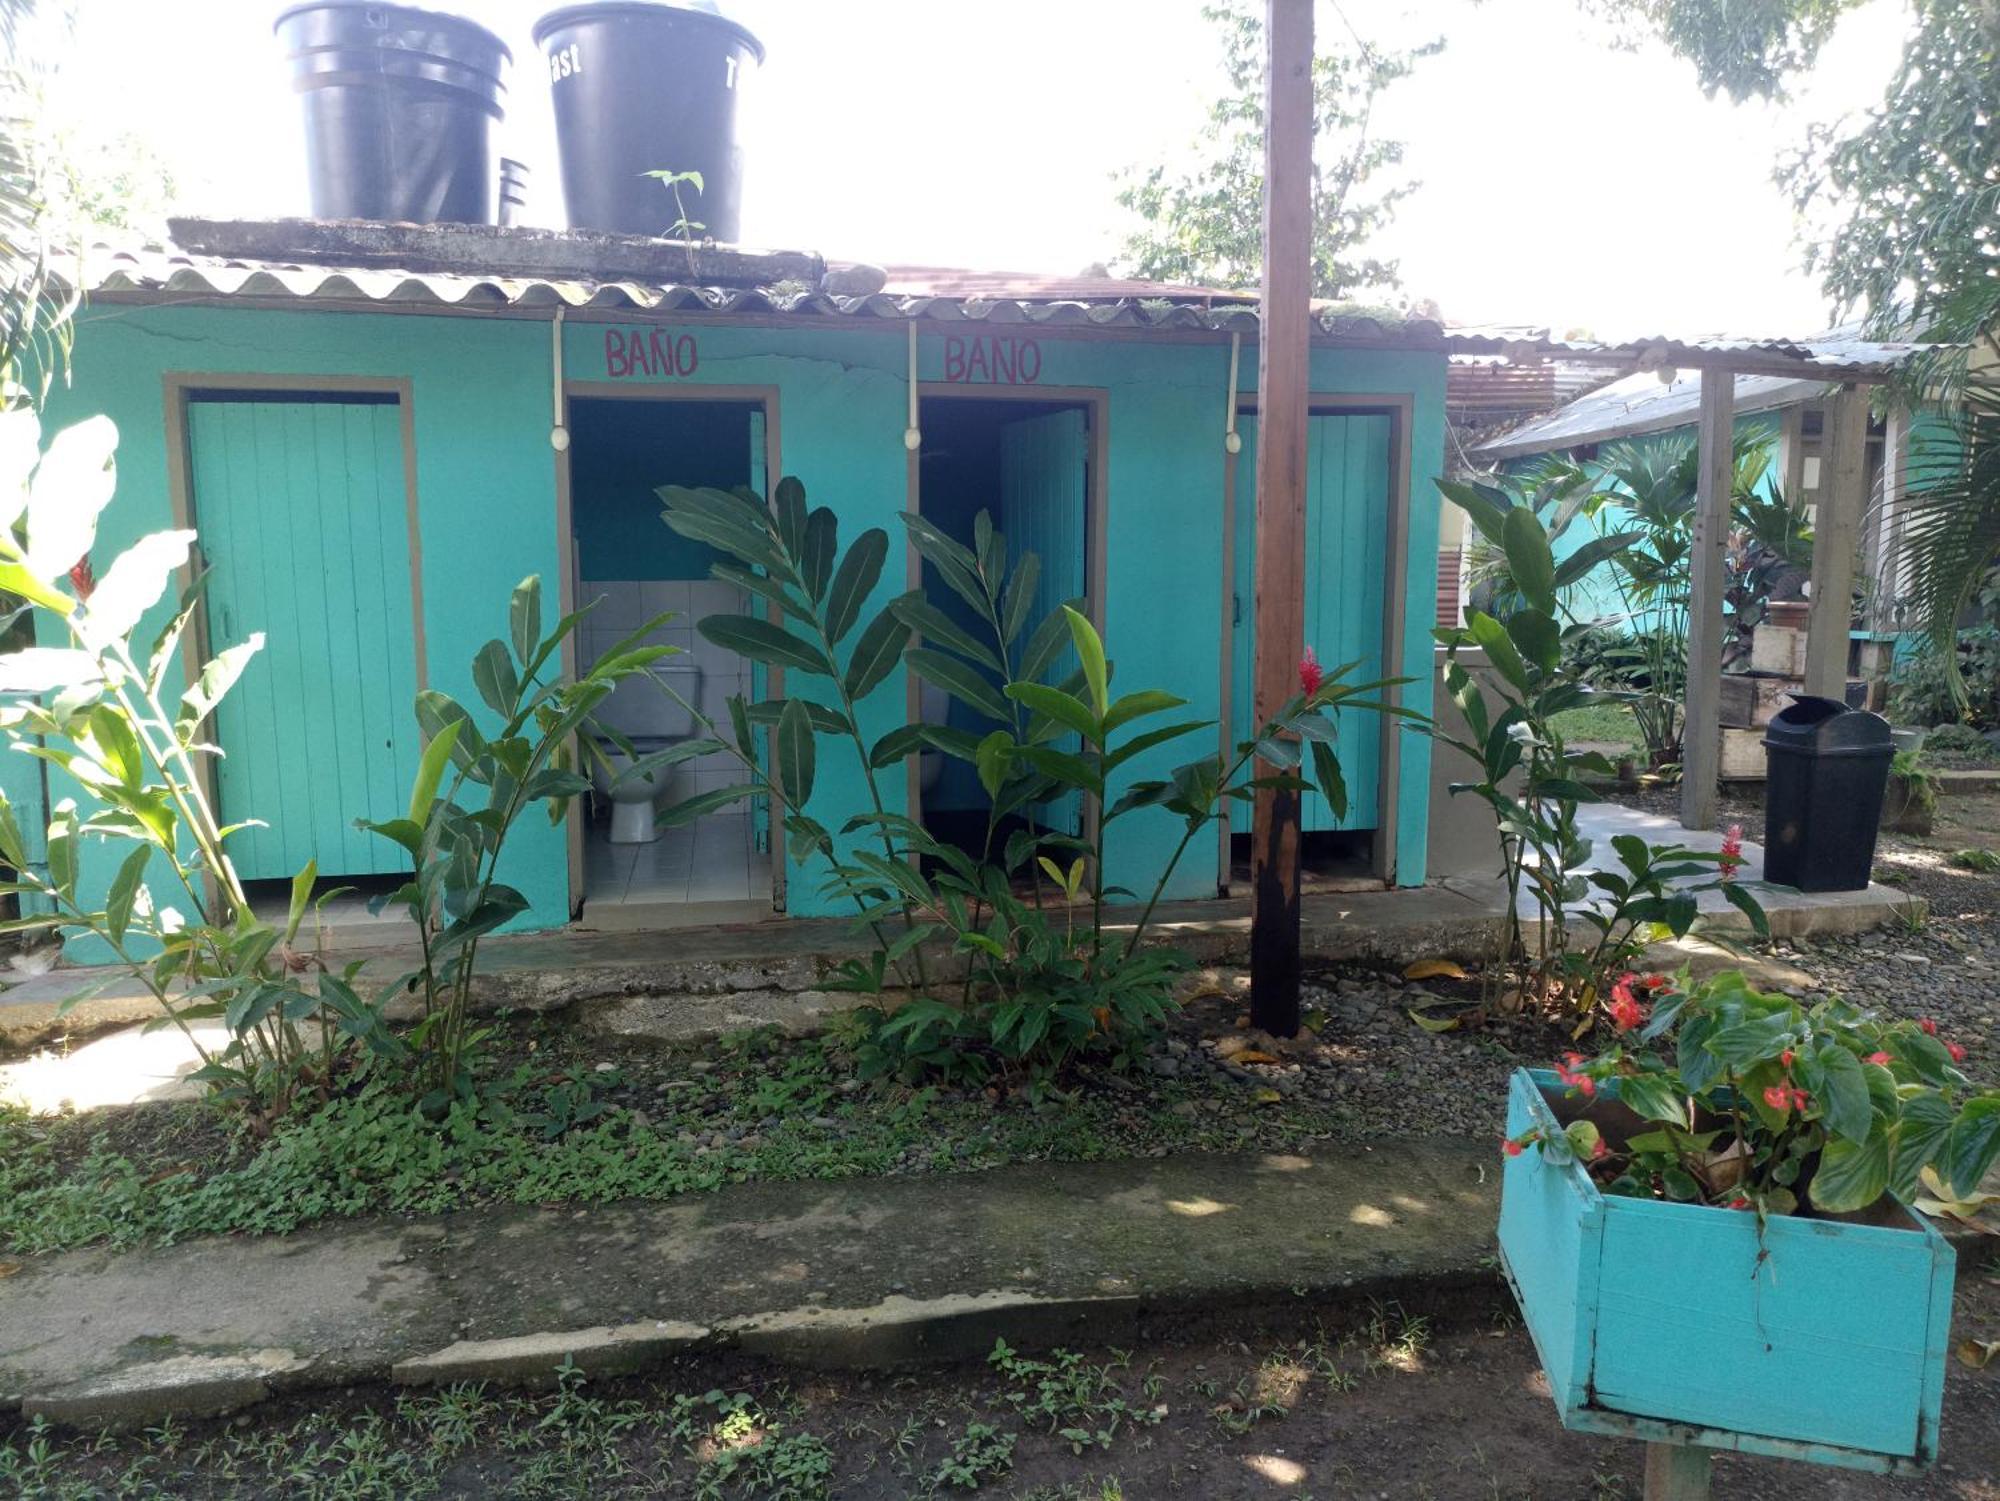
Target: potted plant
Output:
{"points": [[1707, 1225]]}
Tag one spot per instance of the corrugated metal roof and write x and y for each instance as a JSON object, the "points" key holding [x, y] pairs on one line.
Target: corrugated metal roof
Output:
{"points": [[166, 275], [952, 281], [1640, 404], [154, 274]]}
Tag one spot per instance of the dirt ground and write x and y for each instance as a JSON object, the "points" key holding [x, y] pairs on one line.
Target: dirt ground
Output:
{"points": [[1387, 1405]]}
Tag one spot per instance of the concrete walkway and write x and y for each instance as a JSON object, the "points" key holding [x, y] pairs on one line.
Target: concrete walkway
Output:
{"points": [[873, 1272], [696, 983]]}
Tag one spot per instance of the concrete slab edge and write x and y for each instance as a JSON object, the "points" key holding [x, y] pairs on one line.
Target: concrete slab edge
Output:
{"points": [[898, 1333]]}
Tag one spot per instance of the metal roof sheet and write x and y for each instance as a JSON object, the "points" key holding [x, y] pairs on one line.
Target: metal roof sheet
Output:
{"points": [[1640, 404], [155, 274]]}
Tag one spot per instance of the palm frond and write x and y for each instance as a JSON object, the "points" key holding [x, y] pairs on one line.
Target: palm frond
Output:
{"points": [[1951, 526]]}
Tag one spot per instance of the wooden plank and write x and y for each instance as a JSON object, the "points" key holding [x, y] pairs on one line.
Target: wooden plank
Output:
{"points": [[1282, 383], [1676, 1472], [1843, 499], [1701, 739]]}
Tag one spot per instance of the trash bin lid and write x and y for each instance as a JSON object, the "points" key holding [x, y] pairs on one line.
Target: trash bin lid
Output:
{"points": [[1826, 726]]}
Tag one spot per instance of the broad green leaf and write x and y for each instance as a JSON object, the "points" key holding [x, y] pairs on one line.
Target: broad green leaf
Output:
{"points": [[1068, 711], [1332, 784], [1046, 645], [524, 619], [816, 563], [1090, 652], [302, 885], [688, 810], [214, 681], [938, 628], [1019, 597], [795, 754], [1538, 637], [117, 747], [72, 485], [132, 585], [1655, 1098], [1499, 648], [902, 741], [1579, 563], [961, 680], [860, 570], [1529, 558], [994, 761], [125, 891], [494, 676], [876, 652], [1133, 706], [430, 770], [1851, 1175], [1844, 1092], [954, 562], [789, 509], [761, 641], [1919, 1136], [1972, 1146]]}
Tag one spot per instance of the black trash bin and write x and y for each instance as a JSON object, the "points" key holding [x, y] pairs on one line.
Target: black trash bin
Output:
{"points": [[400, 108], [1827, 766]]}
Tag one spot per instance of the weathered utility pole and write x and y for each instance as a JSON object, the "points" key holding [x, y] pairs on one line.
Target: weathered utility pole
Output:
{"points": [[1279, 598]]}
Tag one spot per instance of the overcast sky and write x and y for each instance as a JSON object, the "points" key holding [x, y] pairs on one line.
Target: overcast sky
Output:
{"points": [[1563, 183]]}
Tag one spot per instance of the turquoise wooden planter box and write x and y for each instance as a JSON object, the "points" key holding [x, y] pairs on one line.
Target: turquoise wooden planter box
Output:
{"points": [[1660, 1321]]}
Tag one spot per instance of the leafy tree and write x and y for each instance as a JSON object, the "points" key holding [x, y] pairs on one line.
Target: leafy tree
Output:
{"points": [[1910, 193], [1204, 223], [1743, 48]]}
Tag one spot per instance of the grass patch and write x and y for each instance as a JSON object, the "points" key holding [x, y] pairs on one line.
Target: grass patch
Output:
{"points": [[556, 1127], [1599, 723]]}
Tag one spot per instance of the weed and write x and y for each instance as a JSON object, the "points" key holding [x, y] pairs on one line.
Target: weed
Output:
{"points": [[1979, 859], [982, 1453], [1081, 1403]]}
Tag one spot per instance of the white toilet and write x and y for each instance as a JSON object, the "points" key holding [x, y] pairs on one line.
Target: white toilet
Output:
{"points": [[651, 721]]}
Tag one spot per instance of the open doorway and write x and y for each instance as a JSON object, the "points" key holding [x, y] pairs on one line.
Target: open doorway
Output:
{"points": [[1030, 463], [627, 560]]}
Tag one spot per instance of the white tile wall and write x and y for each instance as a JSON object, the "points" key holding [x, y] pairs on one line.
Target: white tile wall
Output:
{"points": [[638, 708]]}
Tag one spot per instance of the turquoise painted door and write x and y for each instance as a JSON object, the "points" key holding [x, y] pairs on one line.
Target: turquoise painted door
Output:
{"points": [[1044, 505], [302, 516], [1347, 529]]}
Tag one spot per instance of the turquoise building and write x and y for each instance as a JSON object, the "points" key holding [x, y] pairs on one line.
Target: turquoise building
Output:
{"points": [[377, 438]]}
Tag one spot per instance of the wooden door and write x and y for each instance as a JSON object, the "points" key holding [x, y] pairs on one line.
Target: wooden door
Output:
{"points": [[1347, 530], [302, 514]]}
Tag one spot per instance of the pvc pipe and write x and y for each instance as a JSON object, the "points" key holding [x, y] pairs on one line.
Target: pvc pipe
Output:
{"points": [[913, 436]]}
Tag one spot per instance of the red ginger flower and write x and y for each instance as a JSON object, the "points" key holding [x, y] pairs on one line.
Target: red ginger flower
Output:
{"points": [[81, 578], [1510, 1146], [1626, 1012], [1957, 1052], [1785, 1058], [1311, 674], [1739, 1202], [1928, 1027], [1879, 1057], [1732, 852]]}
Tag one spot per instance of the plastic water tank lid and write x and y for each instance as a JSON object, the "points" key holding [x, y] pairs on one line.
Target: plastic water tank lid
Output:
{"points": [[419, 12], [699, 10]]}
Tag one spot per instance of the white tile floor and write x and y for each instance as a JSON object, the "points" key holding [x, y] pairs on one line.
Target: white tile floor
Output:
{"points": [[712, 860]]}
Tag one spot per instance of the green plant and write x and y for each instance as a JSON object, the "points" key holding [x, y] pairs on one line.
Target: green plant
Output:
{"points": [[980, 1454], [1534, 783], [1753, 1101], [1978, 858], [1912, 792], [101, 710], [454, 896], [1037, 980], [1082, 1404]]}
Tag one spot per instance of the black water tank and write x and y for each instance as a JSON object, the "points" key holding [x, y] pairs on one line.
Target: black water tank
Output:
{"points": [[642, 88], [400, 106]]}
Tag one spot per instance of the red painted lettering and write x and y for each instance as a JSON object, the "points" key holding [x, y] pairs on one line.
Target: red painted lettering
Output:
{"points": [[1030, 376], [954, 358], [663, 354], [615, 362], [976, 364], [1005, 366], [686, 358]]}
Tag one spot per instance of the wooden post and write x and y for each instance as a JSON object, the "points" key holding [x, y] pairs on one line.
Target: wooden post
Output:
{"points": [[1676, 1472], [1843, 499], [1701, 731], [1283, 379]]}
